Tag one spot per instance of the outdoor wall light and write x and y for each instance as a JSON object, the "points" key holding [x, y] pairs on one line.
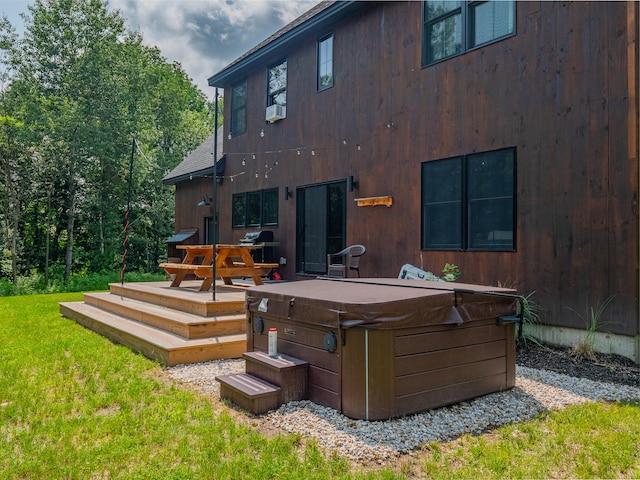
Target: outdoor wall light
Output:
{"points": [[287, 193], [204, 202], [351, 184]]}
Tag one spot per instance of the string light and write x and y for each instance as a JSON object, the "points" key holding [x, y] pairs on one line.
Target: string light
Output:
{"points": [[299, 150]]}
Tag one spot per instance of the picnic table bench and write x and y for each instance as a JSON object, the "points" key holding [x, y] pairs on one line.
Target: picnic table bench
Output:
{"points": [[231, 261]]}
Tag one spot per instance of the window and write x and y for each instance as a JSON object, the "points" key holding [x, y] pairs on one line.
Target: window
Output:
{"points": [[239, 108], [325, 62], [255, 209], [277, 85], [468, 202], [451, 28]]}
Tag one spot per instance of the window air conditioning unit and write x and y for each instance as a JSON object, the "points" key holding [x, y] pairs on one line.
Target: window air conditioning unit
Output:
{"points": [[276, 112]]}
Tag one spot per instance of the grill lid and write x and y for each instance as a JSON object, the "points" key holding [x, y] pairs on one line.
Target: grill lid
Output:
{"points": [[257, 236]]}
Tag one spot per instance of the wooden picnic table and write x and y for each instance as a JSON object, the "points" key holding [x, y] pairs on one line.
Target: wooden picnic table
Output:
{"points": [[231, 261]]}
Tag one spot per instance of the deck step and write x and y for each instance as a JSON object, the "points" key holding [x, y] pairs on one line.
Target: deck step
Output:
{"points": [[249, 392], [227, 297], [288, 373], [181, 323], [166, 347]]}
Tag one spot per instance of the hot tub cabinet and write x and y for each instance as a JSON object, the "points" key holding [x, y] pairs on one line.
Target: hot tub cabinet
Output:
{"points": [[382, 348]]}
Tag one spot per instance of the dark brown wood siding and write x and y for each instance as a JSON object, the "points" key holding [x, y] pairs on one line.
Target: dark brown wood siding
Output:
{"points": [[188, 214], [562, 91]]}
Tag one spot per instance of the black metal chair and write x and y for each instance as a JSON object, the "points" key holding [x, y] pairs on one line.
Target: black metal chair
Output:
{"points": [[350, 261]]}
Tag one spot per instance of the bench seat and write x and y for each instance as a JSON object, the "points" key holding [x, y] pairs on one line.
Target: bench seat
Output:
{"points": [[205, 272]]}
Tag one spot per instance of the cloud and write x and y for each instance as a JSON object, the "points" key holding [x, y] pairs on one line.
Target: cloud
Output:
{"points": [[206, 35]]}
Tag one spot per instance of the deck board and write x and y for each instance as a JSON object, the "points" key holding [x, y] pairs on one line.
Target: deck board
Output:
{"points": [[170, 325]]}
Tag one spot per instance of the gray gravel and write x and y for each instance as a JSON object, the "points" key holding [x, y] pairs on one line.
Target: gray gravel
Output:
{"points": [[535, 391]]}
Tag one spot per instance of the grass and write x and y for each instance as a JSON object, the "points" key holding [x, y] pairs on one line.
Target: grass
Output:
{"points": [[34, 283], [74, 405], [593, 440]]}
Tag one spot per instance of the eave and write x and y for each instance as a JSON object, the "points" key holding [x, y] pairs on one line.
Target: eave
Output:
{"points": [[283, 41]]}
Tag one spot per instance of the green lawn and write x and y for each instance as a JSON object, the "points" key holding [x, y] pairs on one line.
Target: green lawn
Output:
{"points": [[74, 405]]}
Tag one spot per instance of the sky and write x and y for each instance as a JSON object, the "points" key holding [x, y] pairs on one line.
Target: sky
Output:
{"points": [[202, 35]]}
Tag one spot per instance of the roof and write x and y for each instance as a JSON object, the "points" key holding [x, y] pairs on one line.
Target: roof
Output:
{"points": [[181, 236], [198, 163], [321, 16]]}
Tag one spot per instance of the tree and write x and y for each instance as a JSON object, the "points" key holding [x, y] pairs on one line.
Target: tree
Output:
{"points": [[83, 88]]}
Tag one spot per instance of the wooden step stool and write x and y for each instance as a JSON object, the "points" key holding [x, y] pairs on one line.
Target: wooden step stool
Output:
{"points": [[268, 382]]}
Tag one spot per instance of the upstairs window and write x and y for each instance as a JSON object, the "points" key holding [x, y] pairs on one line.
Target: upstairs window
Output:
{"points": [[238, 124], [451, 28], [277, 85], [468, 202], [325, 62]]}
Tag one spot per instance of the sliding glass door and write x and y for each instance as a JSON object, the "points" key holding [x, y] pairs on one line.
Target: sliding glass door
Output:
{"points": [[320, 225]]}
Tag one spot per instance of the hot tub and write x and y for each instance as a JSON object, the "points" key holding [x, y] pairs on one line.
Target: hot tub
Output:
{"points": [[382, 348]]}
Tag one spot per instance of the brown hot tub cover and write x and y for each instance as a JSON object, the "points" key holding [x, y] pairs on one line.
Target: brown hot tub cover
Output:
{"points": [[380, 303]]}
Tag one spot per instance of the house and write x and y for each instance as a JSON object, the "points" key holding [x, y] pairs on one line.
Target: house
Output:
{"points": [[193, 180], [501, 137]]}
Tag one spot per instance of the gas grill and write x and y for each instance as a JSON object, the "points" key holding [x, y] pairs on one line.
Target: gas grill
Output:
{"points": [[257, 237], [265, 239]]}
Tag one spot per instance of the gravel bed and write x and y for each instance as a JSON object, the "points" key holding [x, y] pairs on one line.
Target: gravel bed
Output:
{"points": [[535, 391]]}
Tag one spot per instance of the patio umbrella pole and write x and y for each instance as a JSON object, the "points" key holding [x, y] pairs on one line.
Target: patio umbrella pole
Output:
{"points": [[215, 189]]}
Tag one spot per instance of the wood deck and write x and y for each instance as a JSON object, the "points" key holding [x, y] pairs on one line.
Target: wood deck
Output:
{"points": [[170, 325]]}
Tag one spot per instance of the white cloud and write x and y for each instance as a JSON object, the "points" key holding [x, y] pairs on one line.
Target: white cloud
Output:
{"points": [[206, 35]]}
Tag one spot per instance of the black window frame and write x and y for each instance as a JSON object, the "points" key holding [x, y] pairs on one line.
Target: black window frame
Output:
{"points": [[456, 199], [257, 208], [238, 111], [467, 11], [273, 94], [321, 62]]}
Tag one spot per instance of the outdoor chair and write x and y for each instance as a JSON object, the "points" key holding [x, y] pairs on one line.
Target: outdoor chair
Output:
{"points": [[350, 261]]}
